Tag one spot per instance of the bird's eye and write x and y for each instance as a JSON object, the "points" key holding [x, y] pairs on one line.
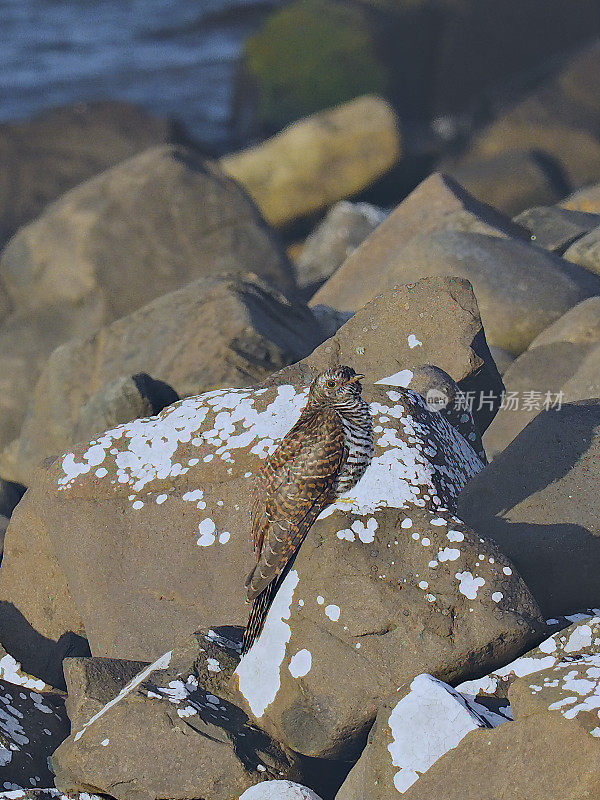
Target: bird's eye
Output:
{"points": [[330, 383]]}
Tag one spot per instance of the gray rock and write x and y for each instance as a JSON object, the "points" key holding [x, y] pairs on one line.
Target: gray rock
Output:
{"points": [[538, 501], [214, 332], [10, 495], [33, 722], [344, 228], [144, 228], [556, 229]]}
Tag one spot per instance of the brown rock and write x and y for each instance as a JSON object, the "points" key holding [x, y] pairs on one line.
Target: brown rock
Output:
{"points": [[432, 321], [414, 729], [379, 599], [543, 377], [172, 525], [438, 203], [213, 332], [556, 229], [56, 150], [318, 160], [538, 501], [516, 303], [176, 708], [146, 227], [586, 251], [580, 325], [509, 181]]}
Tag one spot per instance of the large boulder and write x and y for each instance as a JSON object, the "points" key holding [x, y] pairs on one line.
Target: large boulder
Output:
{"points": [[580, 325], [146, 227], [213, 332], [550, 750], [414, 729], [379, 597], [198, 743], [56, 150], [586, 199], [432, 321], [318, 160], [538, 500], [438, 203], [543, 377]]}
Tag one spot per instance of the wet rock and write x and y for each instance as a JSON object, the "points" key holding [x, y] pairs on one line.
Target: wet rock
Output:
{"points": [[556, 229], [214, 332], [33, 722], [177, 708], [47, 155], [412, 731], [438, 203], [586, 251], [538, 501], [344, 228], [146, 227], [515, 306], [543, 377], [318, 160]]}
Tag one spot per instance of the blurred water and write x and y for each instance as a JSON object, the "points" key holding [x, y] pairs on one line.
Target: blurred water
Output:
{"points": [[175, 57]]}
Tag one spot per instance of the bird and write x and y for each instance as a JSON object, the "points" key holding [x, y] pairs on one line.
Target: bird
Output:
{"points": [[322, 457]]}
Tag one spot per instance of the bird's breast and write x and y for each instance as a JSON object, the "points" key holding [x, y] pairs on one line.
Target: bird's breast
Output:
{"points": [[358, 438]]}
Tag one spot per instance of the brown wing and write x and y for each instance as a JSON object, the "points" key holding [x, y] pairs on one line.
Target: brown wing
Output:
{"points": [[292, 488]]}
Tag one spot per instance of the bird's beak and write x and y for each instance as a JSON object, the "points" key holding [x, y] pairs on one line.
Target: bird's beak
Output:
{"points": [[355, 379]]}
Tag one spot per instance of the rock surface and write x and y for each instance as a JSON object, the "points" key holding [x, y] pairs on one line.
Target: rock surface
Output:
{"points": [[318, 160], [344, 228], [586, 251], [556, 229], [213, 332], [33, 722], [279, 790], [586, 199], [580, 325], [146, 227], [543, 377], [551, 749], [515, 306], [432, 321], [417, 727], [54, 151], [538, 501]]}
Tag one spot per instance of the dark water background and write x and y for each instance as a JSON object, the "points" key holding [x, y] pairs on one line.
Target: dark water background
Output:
{"points": [[174, 57]]}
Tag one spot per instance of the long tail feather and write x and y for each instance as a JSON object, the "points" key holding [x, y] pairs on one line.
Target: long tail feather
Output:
{"points": [[258, 615]]}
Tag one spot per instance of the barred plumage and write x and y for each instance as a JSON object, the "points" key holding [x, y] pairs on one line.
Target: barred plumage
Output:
{"points": [[323, 456]]}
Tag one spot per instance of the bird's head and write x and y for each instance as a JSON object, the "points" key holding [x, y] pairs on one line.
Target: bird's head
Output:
{"points": [[338, 386]]}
